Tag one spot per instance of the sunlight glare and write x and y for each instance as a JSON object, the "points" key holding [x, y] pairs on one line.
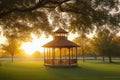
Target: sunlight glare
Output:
{"points": [[35, 44]]}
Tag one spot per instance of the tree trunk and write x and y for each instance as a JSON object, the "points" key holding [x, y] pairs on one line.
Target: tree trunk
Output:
{"points": [[0, 63], [110, 59], [103, 59], [95, 57], [12, 57], [83, 54], [83, 57]]}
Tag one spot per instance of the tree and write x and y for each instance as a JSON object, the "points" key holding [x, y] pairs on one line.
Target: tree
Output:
{"points": [[104, 44], [83, 41], [12, 47], [37, 54]]}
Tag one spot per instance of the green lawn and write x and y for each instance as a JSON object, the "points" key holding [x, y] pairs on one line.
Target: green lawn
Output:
{"points": [[34, 70]]}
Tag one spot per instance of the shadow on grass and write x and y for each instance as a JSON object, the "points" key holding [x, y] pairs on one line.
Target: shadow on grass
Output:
{"points": [[117, 63], [104, 62], [80, 73]]}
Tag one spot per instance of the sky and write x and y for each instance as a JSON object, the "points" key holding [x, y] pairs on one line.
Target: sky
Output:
{"points": [[36, 43], [2, 38]]}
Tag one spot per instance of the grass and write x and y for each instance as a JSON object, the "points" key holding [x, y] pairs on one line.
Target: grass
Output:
{"points": [[35, 70]]}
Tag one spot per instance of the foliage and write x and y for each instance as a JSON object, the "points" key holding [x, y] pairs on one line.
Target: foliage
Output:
{"points": [[83, 14], [22, 25], [24, 17], [83, 42]]}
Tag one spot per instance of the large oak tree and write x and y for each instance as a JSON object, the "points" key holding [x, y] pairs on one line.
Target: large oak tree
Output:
{"points": [[20, 18]]}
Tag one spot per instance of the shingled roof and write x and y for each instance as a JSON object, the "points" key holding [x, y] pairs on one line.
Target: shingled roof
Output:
{"points": [[61, 41]]}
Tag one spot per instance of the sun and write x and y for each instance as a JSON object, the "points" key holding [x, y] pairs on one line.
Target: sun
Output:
{"points": [[35, 44]]}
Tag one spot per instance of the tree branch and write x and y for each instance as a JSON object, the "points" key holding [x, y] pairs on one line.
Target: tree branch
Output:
{"points": [[40, 4]]}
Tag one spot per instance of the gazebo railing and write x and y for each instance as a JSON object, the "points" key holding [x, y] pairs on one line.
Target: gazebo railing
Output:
{"points": [[60, 61]]}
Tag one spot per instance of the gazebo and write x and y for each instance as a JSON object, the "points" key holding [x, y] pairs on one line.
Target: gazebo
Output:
{"points": [[60, 52]]}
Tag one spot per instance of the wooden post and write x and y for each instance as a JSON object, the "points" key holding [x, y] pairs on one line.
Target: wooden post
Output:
{"points": [[60, 55], [44, 57], [69, 56], [72, 53], [53, 56], [72, 56], [49, 53], [76, 55], [47, 56], [65, 56]]}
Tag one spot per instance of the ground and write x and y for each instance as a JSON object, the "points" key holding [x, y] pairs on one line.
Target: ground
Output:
{"points": [[35, 70]]}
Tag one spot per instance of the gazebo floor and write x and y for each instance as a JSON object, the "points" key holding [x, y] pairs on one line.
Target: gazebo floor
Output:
{"points": [[60, 65]]}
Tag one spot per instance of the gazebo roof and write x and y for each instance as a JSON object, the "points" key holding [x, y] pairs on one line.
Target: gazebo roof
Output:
{"points": [[60, 43], [60, 30]]}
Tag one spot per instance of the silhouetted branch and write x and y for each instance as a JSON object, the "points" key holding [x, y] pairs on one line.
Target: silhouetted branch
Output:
{"points": [[40, 4]]}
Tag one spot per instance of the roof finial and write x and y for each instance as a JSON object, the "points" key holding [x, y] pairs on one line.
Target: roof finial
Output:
{"points": [[60, 30]]}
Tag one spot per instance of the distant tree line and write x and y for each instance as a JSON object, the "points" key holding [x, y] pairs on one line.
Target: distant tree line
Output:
{"points": [[105, 43]]}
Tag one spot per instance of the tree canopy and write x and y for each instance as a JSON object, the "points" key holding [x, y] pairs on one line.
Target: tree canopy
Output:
{"points": [[26, 16]]}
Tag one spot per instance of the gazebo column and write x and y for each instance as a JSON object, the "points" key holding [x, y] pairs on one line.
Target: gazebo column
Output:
{"points": [[76, 55], [44, 57], [53, 56], [65, 56], [60, 55], [72, 56], [49, 53], [47, 56], [69, 56]]}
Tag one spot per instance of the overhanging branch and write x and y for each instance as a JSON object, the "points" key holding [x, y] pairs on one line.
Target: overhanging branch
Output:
{"points": [[40, 4]]}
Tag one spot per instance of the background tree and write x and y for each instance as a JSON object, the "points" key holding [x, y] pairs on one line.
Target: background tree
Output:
{"points": [[37, 54], [12, 47], [83, 41], [104, 44]]}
